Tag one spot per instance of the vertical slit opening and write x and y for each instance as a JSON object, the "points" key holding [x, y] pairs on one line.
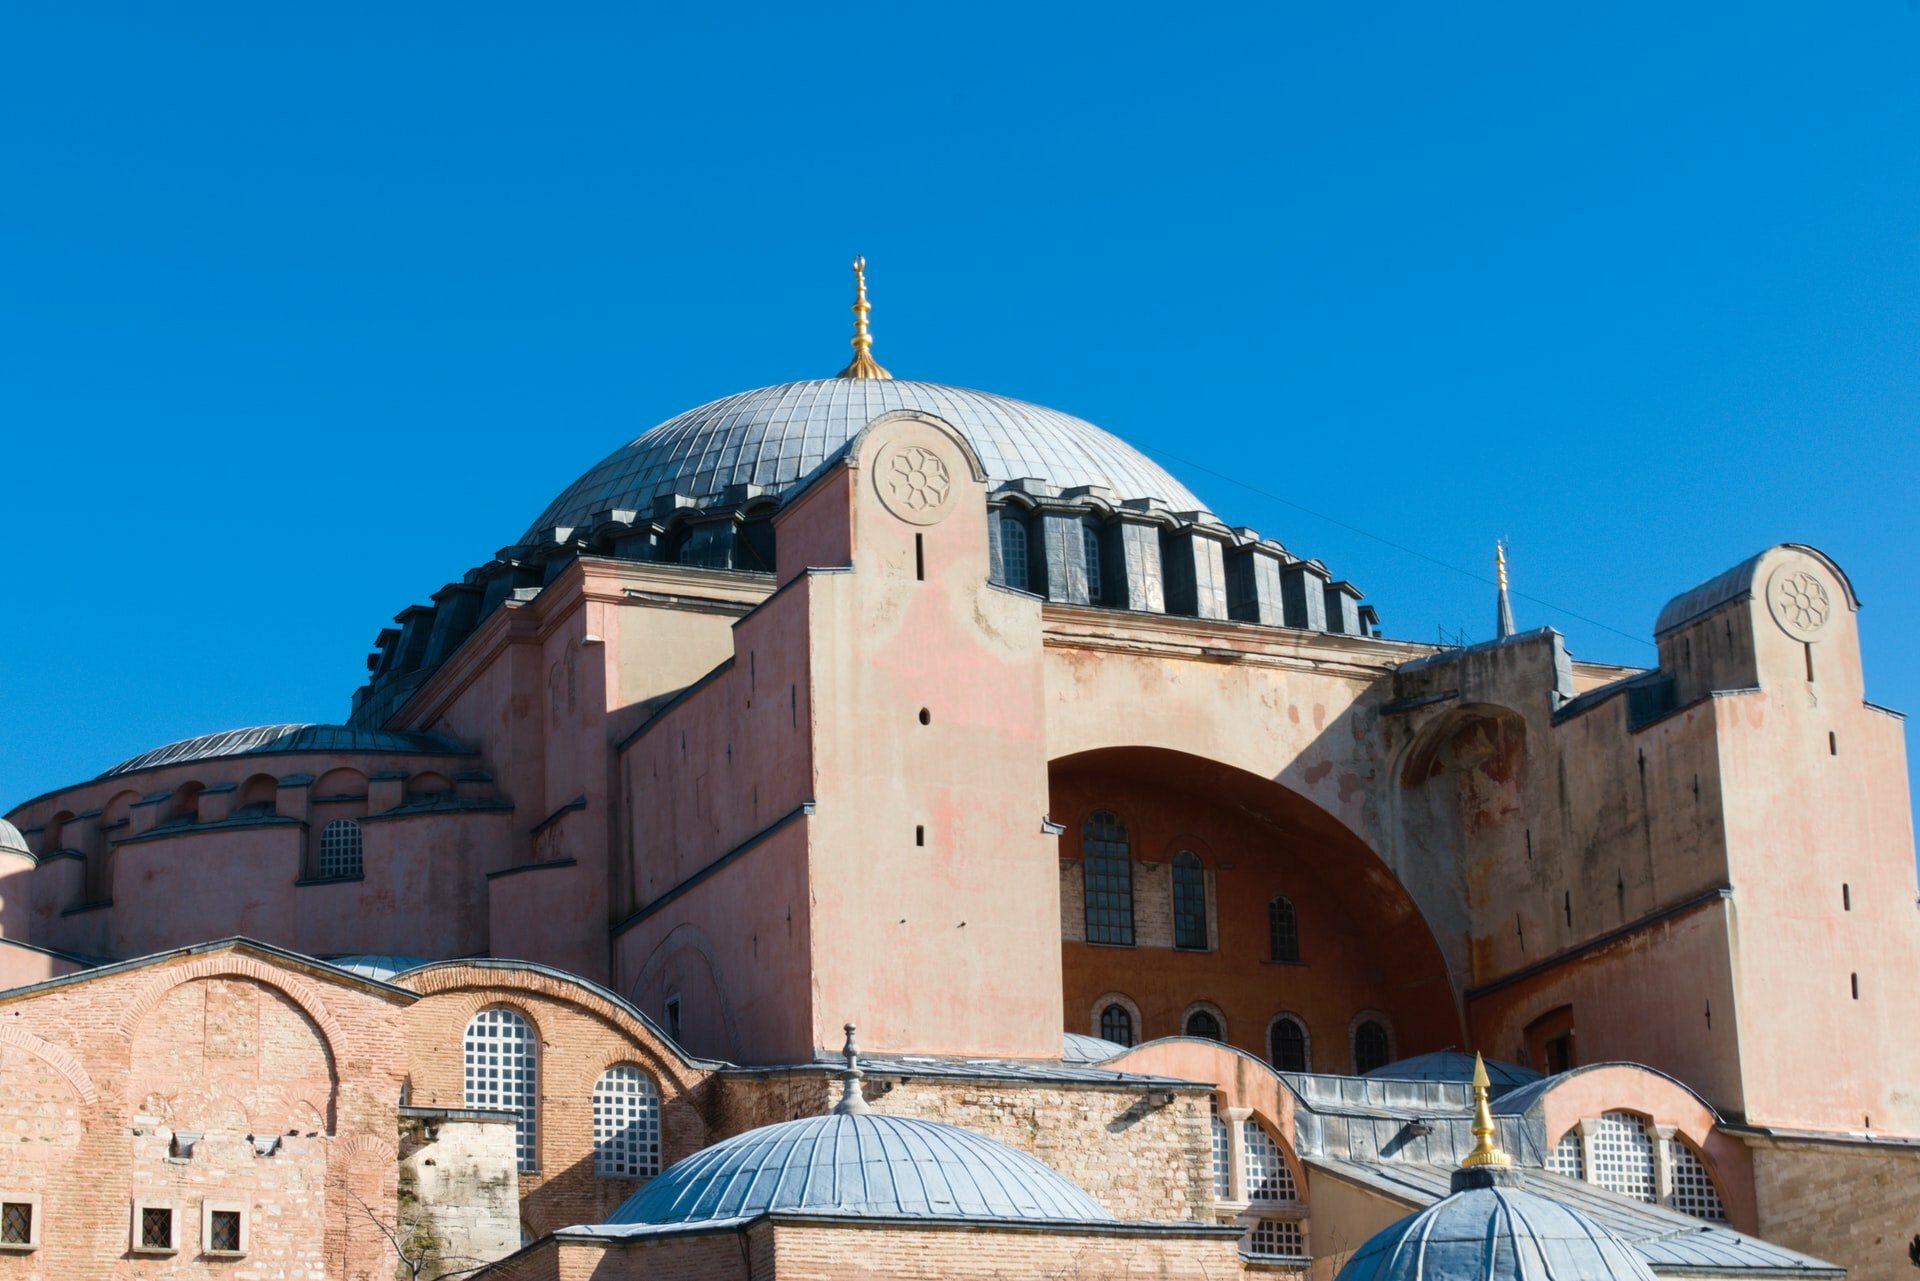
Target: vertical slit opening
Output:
{"points": [[1846, 897], [1808, 646], [1856, 987], [1833, 743], [920, 557], [919, 834]]}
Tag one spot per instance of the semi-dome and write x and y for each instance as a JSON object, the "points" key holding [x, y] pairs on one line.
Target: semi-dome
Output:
{"points": [[11, 842], [1491, 1229], [860, 1164], [778, 437], [261, 740]]}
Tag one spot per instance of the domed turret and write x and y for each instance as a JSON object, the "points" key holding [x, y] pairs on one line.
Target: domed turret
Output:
{"points": [[11, 842]]}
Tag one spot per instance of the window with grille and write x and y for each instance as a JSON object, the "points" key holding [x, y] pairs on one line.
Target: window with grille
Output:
{"points": [[1222, 1159], [626, 1124], [1283, 931], [1116, 1024], [1013, 551], [500, 1074], [1567, 1157], [1090, 541], [223, 1231], [1276, 1239], [16, 1222], [340, 849], [153, 1226], [1693, 1190], [1371, 1047], [1287, 1044], [1623, 1155], [1204, 1023], [1108, 866], [1189, 902], [1268, 1178]]}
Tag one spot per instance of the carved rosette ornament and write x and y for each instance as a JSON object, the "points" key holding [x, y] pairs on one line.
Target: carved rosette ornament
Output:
{"points": [[913, 483], [1799, 602]]}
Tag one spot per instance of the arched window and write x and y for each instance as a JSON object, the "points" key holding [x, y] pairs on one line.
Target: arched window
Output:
{"points": [[626, 1124], [1189, 902], [501, 1074], [1567, 1157], [1623, 1155], [1116, 1025], [1287, 1044], [1222, 1159], [1013, 551], [1090, 543], [1693, 1190], [1283, 931], [340, 849], [1268, 1176], [1205, 1023], [1108, 867], [1371, 1047]]}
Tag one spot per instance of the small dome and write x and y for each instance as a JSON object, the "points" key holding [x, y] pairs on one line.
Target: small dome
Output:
{"points": [[778, 437], [869, 1164], [11, 842], [379, 966], [1492, 1230], [1451, 1065], [261, 740]]}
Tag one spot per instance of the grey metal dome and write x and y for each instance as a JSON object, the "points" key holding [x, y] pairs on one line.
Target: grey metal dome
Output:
{"points": [[11, 842], [777, 437], [379, 966], [1492, 1230], [1452, 1065], [261, 740], [866, 1164]]}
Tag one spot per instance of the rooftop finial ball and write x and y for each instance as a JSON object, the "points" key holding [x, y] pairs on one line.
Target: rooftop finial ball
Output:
{"points": [[859, 264]]}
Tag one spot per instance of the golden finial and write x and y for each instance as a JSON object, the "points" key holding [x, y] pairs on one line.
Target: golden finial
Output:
{"points": [[1503, 608], [1486, 1151], [1500, 562], [864, 365]]}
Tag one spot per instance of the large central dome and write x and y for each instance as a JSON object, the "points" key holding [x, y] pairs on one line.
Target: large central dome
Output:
{"points": [[778, 437]]}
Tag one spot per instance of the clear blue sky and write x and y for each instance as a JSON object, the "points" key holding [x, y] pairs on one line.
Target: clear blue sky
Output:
{"points": [[302, 314]]}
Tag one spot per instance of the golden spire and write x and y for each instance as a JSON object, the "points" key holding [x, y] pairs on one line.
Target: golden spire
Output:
{"points": [[1503, 608], [864, 365], [1500, 562], [1486, 1151]]}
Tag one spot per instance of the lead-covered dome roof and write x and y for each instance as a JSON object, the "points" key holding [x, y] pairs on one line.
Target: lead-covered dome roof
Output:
{"points": [[261, 740], [1491, 1229], [865, 1164], [778, 437]]}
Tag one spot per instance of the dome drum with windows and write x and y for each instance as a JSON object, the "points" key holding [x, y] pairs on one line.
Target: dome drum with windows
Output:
{"points": [[1079, 516]]}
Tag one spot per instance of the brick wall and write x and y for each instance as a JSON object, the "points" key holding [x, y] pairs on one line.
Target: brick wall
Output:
{"points": [[1139, 1161], [1849, 1204], [579, 1034]]}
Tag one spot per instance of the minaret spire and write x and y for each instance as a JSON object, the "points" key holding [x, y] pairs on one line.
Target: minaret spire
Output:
{"points": [[863, 365], [1503, 622], [1486, 1151]]}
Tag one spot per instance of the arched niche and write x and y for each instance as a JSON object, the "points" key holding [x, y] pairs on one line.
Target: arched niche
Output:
{"points": [[1365, 943]]}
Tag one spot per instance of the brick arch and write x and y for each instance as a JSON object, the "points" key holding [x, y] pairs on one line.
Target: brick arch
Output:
{"points": [[369, 1147], [479, 987], [64, 1065], [155, 988]]}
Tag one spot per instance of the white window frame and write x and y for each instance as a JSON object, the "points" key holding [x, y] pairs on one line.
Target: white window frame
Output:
{"points": [[635, 1143], [32, 1201], [492, 1086], [207, 1211], [140, 1205]]}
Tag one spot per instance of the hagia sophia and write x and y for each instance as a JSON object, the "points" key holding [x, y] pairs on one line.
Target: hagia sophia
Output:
{"points": [[873, 828]]}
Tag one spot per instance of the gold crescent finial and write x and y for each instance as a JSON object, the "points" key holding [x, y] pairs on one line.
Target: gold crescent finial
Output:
{"points": [[1485, 1151], [863, 364]]}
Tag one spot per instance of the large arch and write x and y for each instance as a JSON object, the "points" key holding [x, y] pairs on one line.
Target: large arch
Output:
{"points": [[1365, 944]]}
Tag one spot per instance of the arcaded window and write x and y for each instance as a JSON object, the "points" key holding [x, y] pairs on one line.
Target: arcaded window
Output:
{"points": [[501, 1074], [1222, 1159], [1108, 866], [1287, 1044], [1205, 1023], [1567, 1157], [1623, 1155], [1371, 1048], [1013, 551], [1268, 1176], [1693, 1190], [1189, 902], [340, 849], [1116, 1025], [1090, 542], [626, 1124], [1276, 1239], [1283, 931]]}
